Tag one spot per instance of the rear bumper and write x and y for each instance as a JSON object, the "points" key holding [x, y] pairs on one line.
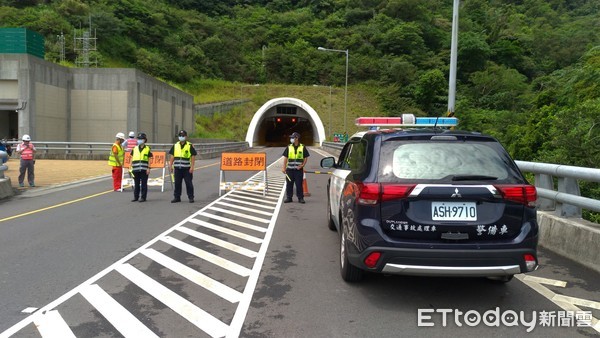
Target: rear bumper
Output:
{"points": [[454, 263], [452, 271]]}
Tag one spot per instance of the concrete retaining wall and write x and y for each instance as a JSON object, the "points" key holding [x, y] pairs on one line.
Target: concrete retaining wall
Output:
{"points": [[574, 238], [88, 104], [6, 189]]}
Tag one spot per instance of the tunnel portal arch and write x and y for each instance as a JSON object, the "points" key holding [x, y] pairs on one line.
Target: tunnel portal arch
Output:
{"points": [[272, 123]]}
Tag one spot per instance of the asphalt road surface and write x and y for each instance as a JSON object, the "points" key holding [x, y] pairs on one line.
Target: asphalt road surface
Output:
{"points": [[84, 261]]}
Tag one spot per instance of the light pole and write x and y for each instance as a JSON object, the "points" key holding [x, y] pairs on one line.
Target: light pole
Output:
{"points": [[346, 89], [453, 59], [242, 108], [329, 124]]}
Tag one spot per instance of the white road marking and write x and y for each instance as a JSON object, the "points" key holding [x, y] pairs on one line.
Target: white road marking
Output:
{"points": [[126, 323], [239, 214], [561, 302], [226, 231], [249, 193], [52, 325], [231, 221], [249, 203], [207, 256], [216, 241], [546, 281], [195, 315], [246, 209], [240, 315], [578, 301], [29, 310], [239, 196], [192, 275], [203, 320], [322, 152]]}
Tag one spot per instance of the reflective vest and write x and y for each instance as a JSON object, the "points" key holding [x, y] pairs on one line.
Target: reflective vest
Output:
{"points": [[131, 143], [295, 156], [182, 155], [26, 152], [120, 154], [139, 159]]}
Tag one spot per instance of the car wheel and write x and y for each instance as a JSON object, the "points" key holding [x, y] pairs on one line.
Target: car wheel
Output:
{"points": [[330, 223], [501, 279], [349, 272]]}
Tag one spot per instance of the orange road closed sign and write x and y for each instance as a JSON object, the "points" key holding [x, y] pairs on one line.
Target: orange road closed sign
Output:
{"points": [[243, 161], [156, 161]]}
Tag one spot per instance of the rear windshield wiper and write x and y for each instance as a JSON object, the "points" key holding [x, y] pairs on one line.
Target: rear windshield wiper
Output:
{"points": [[470, 178]]}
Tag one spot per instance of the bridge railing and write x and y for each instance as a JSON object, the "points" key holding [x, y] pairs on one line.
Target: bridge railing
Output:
{"points": [[564, 197], [557, 185], [100, 150]]}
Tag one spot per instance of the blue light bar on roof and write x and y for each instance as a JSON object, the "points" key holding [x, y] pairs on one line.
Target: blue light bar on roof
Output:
{"points": [[439, 121], [407, 120]]}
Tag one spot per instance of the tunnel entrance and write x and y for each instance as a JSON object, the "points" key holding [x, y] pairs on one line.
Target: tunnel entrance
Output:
{"points": [[277, 119]]}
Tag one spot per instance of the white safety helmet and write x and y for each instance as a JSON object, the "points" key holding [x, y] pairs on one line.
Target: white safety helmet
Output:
{"points": [[26, 137], [120, 135], [131, 134]]}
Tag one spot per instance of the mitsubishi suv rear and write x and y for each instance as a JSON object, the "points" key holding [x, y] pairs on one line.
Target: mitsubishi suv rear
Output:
{"points": [[431, 202]]}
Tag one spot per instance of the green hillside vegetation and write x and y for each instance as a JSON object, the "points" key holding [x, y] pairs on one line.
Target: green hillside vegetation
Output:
{"points": [[527, 69], [232, 125]]}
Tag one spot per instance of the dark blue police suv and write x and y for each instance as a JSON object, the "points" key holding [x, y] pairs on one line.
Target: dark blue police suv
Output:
{"points": [[431, 202]]}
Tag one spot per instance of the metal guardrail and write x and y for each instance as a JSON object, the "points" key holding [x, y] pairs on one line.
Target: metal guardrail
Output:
{"points": [[99, 149], [564, 199]]}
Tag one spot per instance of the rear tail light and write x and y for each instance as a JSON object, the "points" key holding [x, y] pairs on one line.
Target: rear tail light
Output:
{"points": [[530, 262], [368, 193], [372, 259], [373, 193], [520, 193], [394, 191]]}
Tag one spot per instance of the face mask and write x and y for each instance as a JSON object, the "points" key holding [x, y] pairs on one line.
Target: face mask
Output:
{"points": [[181, 138], [292, 140], [140, 142]]}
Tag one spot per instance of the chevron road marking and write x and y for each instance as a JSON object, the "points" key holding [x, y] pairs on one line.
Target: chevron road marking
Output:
{"points": [[51, 324], [564, 302]]}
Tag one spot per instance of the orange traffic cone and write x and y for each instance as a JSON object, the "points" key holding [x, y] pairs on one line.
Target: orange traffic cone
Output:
{"points": [[305, 186]]}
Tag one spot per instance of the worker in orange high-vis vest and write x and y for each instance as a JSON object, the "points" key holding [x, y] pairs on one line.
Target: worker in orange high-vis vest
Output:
{"points": [[27, 151], [131, 142], [116, 159]]}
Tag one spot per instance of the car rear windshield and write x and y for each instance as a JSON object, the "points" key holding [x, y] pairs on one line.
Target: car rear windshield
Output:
{"points": [[446, 162]]}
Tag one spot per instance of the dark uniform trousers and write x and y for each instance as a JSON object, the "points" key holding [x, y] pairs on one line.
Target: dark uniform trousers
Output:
{"points": [[140, 178], [183, 174], [296, 177]]}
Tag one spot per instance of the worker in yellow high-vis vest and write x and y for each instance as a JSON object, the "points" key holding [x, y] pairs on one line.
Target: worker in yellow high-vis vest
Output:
{"points": [[294, 159], [116, 159], [181, 162]]}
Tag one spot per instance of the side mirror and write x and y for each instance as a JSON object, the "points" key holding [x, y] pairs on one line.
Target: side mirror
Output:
{"points": [[328, 162]]}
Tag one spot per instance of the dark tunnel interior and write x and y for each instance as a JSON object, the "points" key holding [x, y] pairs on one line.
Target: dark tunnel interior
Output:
{"points": [[275, 131]]}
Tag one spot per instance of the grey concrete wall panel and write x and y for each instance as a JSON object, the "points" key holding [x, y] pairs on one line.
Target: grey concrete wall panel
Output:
{"points": [[133, 105], [91, 104]]}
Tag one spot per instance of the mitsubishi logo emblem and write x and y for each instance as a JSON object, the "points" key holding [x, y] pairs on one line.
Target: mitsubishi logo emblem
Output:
{"points": [[456, 193]]}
